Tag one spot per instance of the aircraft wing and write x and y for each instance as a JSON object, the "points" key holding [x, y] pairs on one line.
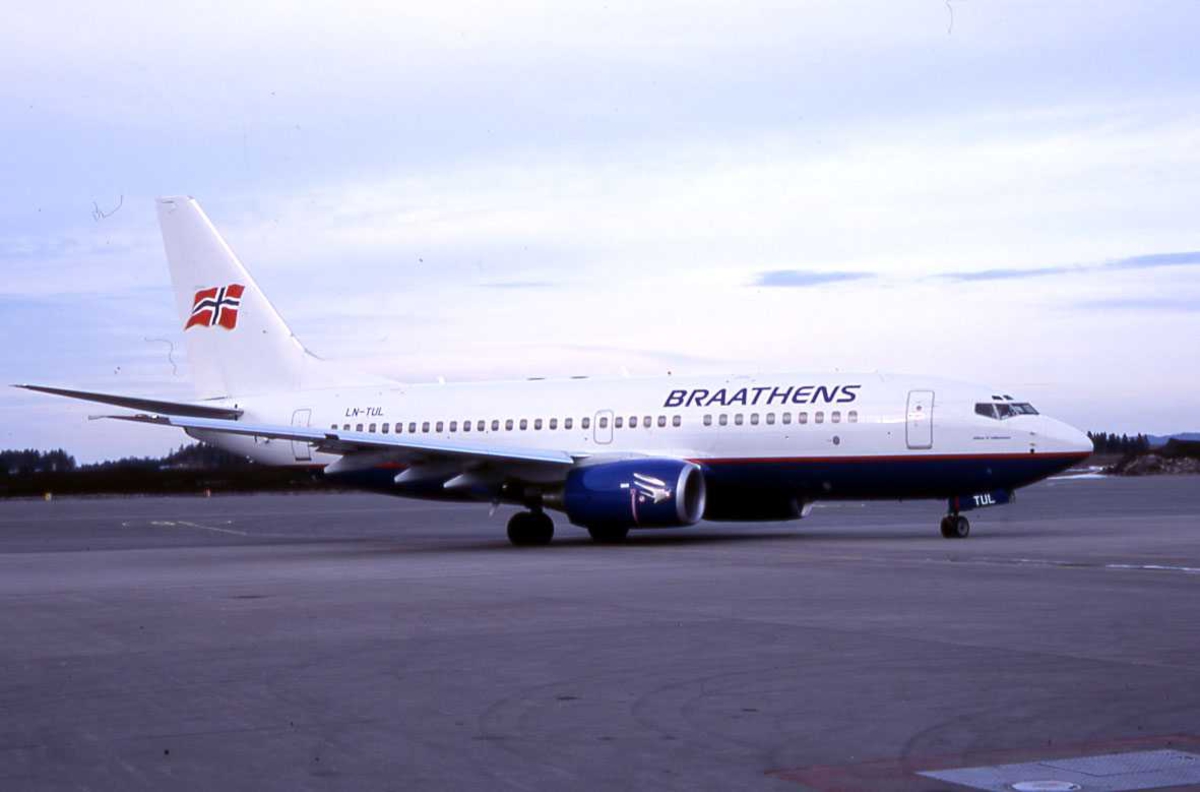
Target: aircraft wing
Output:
{"points": [[336, 441], [135, 403]]}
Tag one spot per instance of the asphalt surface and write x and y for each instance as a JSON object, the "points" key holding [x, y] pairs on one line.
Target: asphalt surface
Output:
{"points": [[360, 642]]}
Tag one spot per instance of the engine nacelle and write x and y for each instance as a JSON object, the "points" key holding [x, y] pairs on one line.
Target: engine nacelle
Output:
{"points": [[635, 493]]}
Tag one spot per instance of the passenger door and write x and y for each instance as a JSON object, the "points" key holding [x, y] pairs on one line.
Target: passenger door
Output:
{"points": [[301, 451], [919, 426]]}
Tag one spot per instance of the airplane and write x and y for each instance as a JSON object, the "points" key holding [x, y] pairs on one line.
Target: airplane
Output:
{"points": [[611, 454]]}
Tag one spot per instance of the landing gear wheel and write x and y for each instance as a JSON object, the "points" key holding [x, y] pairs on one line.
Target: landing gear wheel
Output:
{"points": [[946, 529], [608, 535], [526, 529], [955, 526]]}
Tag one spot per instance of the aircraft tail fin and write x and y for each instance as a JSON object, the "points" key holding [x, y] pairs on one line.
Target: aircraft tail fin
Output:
{"points": [[237, 343]]}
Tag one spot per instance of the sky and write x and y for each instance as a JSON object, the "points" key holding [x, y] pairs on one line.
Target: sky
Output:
{"points": [[997, 191]]}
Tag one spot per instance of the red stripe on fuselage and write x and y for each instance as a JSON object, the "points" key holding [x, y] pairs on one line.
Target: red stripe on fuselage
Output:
{"points": [[1073, 456]]}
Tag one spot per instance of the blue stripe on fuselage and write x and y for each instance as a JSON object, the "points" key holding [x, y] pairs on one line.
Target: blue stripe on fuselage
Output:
{"points": [[916, 476], [912, 476]]}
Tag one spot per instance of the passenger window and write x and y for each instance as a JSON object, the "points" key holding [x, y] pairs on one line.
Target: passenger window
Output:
{"points": [[333, 426], [803, 418], [567, 423], [399, 427], [618, 422], [537, 423], [412, 427], [495, 425], [819, 417], [454, 426], [586, 423], [553, 424], [646, 421], [425, 426], [836, 416], [440, 427], [737, 419], [358, 428], [852, 417], [708, 420], [770, 419], [676, 421], [604, 422], [508, 425], [346, 428], [466, 426], [371, 428], [479, 426], [633, 422], [524, 424], [754, 419], [662, 420], [385, 428], [723, 419], [786, 417]]}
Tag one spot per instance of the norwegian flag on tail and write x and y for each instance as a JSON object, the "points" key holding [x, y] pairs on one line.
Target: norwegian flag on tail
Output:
{"points": [[216, 307]]}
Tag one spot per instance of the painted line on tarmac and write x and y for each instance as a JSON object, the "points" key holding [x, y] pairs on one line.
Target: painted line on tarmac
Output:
{"points": [[186, 524], [1052, 562]]}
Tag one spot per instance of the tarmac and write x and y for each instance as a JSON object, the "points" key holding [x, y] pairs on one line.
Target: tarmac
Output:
{"points": [[361, 642]]}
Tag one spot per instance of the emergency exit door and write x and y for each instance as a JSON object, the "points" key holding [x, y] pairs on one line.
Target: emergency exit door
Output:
{"points": [[302, 451], [603, 430], [919, 427]]}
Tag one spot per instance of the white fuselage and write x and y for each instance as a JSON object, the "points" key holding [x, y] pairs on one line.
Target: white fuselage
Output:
{"points": [[789, 420]]}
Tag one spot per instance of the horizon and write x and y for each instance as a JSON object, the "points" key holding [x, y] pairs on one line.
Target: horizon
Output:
{"points": [[445, 192]]}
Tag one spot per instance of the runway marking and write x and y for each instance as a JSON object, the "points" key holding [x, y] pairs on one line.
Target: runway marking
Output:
{"points": [[1052, 562], [186, 524], [1155, 568]]}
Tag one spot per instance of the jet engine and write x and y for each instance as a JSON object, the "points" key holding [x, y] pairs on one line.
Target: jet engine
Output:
{"points": [[635, 493]]}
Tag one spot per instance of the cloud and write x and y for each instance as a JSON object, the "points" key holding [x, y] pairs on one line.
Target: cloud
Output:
{"points": [[1184, 259], [1007, 274], [803, 278], [1183, 304], [1148, 261]]}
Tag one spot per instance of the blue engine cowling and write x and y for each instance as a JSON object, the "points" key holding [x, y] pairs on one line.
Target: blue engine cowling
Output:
{"points": [[635, 493]]}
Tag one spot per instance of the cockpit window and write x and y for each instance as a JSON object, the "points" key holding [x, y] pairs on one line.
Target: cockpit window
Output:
{"points": [[1001, 410]]}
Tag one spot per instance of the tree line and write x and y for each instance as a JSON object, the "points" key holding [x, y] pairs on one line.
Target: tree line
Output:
{"points": [[1113, 443], [195, 456]]}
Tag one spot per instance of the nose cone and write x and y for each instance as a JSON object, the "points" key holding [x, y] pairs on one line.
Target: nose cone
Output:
{"points": [[1069, 440]]}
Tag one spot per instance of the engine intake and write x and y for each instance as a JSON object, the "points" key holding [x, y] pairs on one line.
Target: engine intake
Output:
{"points": [[635, 493]]}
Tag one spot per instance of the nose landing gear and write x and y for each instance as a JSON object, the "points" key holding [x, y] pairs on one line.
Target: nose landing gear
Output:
{"points": [[526, 529], [955, 526]]}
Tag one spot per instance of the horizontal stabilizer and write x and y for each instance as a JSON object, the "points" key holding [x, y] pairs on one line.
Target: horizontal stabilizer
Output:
{"points": [[184, 409]]}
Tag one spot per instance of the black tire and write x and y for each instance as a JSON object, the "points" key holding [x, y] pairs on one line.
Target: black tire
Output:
{"points": [[947, 527], [608, 534], [526, 529], [518, 529], [962, 527], [543, 528]]}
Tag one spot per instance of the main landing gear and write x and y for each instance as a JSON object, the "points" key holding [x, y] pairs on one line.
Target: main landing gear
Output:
{"points": [[955, 526], [530, 528]]}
